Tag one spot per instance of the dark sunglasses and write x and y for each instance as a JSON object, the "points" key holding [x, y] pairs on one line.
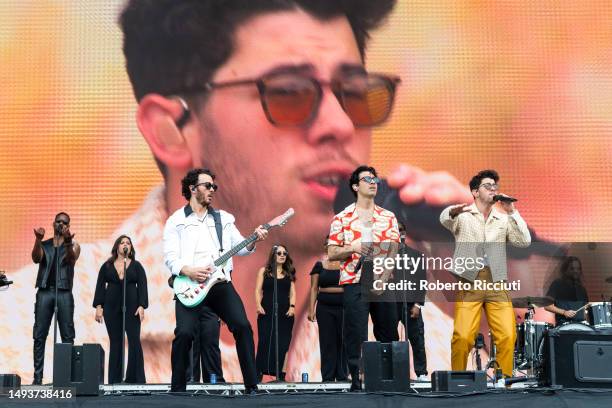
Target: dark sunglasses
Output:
{"points": [[290, 99], [207, 185], [370, 179], [281, 253], [62, 222]]}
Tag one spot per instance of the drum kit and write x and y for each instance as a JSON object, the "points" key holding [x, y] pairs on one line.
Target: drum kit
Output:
{"points": [[531, 333]]}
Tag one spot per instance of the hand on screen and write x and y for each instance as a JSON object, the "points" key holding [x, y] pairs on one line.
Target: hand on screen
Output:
{"points": [[437, 188]]}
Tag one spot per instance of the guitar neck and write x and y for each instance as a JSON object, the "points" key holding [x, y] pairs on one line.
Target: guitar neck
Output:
{"points": [[248, 240]]}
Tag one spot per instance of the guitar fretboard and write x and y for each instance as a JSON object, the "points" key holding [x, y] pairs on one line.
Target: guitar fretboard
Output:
{"points": [[248, 240]]}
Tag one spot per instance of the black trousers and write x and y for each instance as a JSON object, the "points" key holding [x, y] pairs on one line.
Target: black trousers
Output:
{"points": [[43, 314], [206, 354], [330, 320], [356, 310], [416, 336], [135, 364], [224, 301]]}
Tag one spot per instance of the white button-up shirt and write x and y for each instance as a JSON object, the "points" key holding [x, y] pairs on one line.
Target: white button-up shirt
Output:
{"points": [[476, 237], [185, 234]]}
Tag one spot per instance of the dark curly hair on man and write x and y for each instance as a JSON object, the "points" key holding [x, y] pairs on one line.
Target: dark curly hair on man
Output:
{"points": [[176, 45], [191, 179]]}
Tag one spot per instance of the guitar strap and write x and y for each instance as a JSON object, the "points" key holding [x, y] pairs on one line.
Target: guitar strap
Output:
{"points": [[218, 227]]}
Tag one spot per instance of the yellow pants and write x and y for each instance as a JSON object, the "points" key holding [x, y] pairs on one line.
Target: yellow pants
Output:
{"points": [[500, 315]]}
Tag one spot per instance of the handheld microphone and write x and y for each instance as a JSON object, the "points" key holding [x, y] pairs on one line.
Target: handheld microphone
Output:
{"points": [[503, 198], [4, 282], [125, 251]]}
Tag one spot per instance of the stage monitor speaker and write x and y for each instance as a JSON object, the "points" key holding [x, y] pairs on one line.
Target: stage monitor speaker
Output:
{"points": [[577, 359], [79, 367], [386, 366], [9, 382], [458, 381]]}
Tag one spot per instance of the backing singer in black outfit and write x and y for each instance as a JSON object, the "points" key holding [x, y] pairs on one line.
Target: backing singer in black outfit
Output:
{"points": [[326, 293], [264, 299], [206, 354], [46, 255], [205, 351], [108, 301], [409, 305]]}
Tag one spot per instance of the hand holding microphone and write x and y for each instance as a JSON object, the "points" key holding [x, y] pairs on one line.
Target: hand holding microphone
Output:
{"points": [[3, 280], [506, 202], [504, 198]]}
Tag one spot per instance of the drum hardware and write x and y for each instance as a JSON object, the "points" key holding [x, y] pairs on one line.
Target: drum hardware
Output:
{"points": [[529, 334], [492, 363], [478, 344]]}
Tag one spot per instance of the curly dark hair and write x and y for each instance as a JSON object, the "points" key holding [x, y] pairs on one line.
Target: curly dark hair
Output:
{"points": [[477, 179], [288, 267], [173, 45], [191, 179], [114, 251]]}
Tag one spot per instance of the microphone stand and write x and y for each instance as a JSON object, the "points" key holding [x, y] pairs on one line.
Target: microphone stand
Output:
{"points": [[275, 314], [478, 343], [123, 319], [404, 301], [55, 309]]}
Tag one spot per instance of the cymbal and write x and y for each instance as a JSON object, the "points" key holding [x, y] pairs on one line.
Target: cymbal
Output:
{"points": [[535, 301], [609, 279]]}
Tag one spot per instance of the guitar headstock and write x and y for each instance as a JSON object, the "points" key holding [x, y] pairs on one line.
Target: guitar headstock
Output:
{"points": [[281, 220]]}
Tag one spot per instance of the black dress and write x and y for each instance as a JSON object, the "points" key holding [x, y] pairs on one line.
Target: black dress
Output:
{"points": [[330, 319], [109, 295], [265, 360]]}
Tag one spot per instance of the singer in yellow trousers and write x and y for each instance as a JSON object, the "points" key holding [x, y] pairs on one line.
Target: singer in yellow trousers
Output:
{"points": [[500, 315]]}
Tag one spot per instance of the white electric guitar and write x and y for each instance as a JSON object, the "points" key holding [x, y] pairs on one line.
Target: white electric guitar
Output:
{"points": [[191, 293]]}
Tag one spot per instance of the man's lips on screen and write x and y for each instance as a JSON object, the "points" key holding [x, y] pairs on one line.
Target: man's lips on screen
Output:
{"points": [[324, 183]]}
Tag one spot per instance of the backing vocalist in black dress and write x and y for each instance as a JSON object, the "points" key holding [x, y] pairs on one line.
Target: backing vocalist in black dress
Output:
{"points": [[326, 293], [108, 301], [264, 293]]}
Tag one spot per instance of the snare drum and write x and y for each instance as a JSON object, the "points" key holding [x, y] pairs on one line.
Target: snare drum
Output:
{"points": [[598, 314]]}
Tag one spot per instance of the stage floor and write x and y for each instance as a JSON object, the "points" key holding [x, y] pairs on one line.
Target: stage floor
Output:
{"points": [[295, 395]]}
